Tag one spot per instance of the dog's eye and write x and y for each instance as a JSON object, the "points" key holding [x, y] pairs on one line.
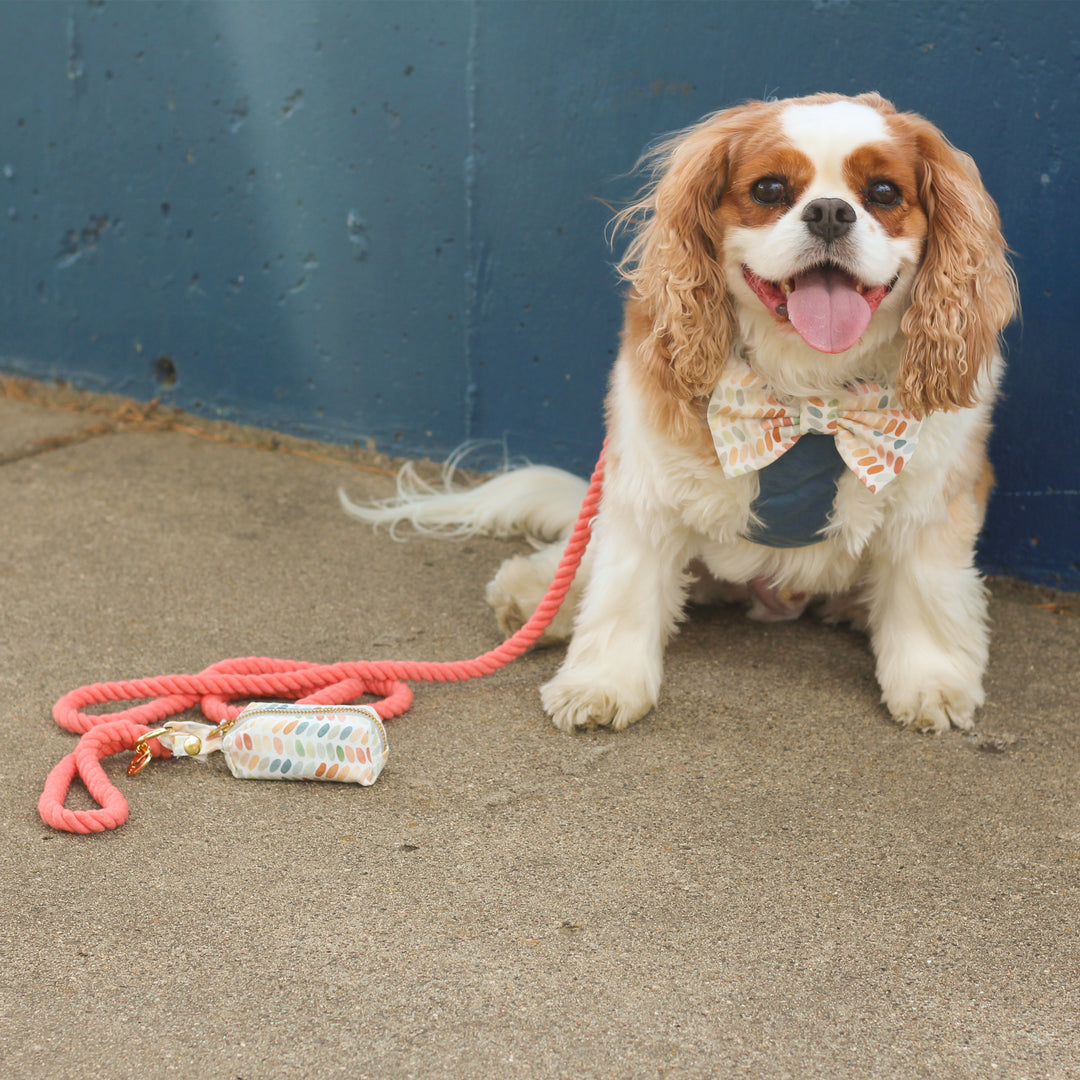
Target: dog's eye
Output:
{"points": [[769, 191], [883, 193]]}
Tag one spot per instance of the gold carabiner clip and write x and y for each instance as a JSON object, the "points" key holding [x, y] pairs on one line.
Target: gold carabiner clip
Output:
{"points": [[142, 750]]}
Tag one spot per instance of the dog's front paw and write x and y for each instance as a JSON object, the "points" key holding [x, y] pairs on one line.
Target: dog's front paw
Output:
{"points": [[575, 701], [933, 710]]}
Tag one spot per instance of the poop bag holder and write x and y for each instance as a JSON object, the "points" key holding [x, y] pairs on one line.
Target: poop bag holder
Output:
{"points": [[282, 741]]}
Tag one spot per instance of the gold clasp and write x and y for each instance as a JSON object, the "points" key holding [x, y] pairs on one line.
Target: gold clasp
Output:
{"points": [[142, 750], [171, 734]]}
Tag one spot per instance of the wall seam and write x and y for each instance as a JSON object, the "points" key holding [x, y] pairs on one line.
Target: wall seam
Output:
{"points": [[472, 268]]}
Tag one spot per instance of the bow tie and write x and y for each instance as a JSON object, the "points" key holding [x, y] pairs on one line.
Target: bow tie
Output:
{"points": [[752, 426]]}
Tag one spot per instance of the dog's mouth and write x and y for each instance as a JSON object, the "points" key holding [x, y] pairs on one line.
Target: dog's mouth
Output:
{"points": [[828, 308]]}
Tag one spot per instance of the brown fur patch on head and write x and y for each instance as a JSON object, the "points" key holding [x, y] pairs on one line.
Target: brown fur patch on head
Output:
{"points": [[871, 164], [764, 155]]}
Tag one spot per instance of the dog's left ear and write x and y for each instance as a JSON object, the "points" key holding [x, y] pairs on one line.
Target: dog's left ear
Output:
{"points": [[965, 292]]}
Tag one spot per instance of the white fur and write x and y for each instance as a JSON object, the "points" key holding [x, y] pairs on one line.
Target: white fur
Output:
{"points": [[927, 616], [670, 521], [538, 501], [827, 134]]}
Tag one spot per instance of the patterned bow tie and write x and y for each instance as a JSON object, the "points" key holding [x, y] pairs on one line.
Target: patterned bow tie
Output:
{"points": [[752, 427]]}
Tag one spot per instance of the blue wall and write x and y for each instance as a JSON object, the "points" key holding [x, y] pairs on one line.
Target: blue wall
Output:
{"points": [[386, 220]]}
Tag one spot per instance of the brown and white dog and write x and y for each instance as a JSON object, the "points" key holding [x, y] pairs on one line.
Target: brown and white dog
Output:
{"points": [[831, 256]]}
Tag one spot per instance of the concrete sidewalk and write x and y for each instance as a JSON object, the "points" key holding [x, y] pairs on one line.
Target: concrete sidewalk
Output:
{"points": [[765, 878]]}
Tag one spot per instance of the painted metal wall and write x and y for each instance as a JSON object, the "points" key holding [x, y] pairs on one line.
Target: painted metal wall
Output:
{"points": [[385, 221]]}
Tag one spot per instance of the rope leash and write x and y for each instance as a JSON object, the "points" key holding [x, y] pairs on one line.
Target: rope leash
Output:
{"points": [[257, 677]]}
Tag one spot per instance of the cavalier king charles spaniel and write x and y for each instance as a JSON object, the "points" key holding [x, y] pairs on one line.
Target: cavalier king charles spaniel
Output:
{"points": [[798, 414]]}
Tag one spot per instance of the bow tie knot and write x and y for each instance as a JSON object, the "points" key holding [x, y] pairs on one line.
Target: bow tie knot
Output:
{"points": [[752, 426]]}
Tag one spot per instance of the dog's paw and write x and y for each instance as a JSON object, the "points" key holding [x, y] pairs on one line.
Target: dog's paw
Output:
{"points": [[575, 701], [847, 608], [516, 591], [936, 709]]}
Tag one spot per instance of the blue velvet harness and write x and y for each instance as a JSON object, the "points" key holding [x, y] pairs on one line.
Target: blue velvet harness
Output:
{"points": [[796, 494]]}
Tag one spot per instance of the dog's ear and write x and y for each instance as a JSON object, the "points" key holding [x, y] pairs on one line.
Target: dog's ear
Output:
{"points": [[674, 262], [965, 292]]}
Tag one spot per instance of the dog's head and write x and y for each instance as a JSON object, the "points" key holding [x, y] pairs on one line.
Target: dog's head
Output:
{"points": [[819, 232]]}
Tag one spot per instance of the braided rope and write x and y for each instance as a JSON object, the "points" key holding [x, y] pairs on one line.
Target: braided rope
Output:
{"points": [[256, 677]]}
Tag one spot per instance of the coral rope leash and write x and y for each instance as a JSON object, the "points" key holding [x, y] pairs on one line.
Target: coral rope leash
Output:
{"points": [[255, 677]]}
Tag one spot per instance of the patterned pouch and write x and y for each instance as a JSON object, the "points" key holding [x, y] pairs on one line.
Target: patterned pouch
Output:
{"points": [[283, 741]]}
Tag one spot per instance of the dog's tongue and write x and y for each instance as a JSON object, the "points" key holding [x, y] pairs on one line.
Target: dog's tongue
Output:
{"points": [[827, 311]]}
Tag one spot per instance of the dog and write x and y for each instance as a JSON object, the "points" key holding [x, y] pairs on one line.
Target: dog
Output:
{"points": [[798, 413]]}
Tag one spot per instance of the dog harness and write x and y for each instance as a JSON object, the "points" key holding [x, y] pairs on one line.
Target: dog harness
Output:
{"points": [[801, 446]]}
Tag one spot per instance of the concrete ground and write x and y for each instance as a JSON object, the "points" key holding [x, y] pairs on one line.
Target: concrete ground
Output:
{"points": [[764, 878]]}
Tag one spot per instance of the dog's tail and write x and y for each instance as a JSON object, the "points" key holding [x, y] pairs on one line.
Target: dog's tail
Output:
{"points": [[535, 501]]}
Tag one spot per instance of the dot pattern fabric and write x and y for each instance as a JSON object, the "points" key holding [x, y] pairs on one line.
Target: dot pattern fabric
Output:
{"points": [[752, 427], [281, 741]]}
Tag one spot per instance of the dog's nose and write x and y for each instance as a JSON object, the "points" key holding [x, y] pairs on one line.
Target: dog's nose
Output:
{"points": [[829, 218]]}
